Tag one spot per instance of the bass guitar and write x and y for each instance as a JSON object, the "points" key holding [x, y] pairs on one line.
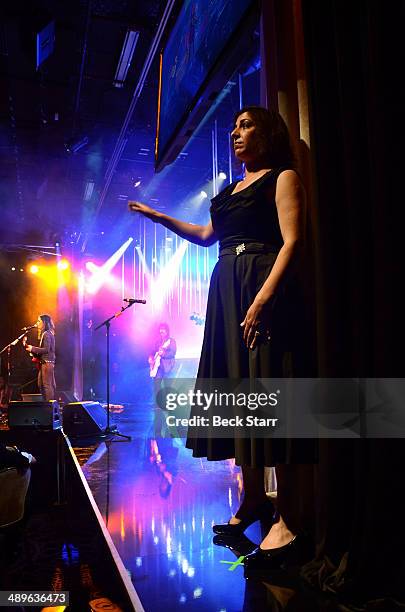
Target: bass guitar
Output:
{"points": [[155, 362]]}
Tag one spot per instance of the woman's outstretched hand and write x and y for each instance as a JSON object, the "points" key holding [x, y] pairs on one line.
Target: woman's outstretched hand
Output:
{"points": [[145, 210]]}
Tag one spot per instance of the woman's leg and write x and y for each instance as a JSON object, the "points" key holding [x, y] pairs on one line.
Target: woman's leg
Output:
{"points": [[254, 493], [294, 504]]}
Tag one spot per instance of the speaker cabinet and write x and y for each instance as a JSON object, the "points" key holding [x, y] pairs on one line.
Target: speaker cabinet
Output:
{"points": [[35, 415], [82, 419], [65, 397]]}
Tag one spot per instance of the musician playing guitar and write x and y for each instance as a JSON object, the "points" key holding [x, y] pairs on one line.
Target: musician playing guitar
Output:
{"points": [[162, 361], [45, 353]]}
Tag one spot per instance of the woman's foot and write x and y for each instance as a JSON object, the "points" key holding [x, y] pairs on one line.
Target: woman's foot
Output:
{"points": [[237, 524], [278, 536], [263, 563]]}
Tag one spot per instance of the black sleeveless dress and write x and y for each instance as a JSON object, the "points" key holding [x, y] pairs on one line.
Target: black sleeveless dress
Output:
{"points": [[247, 226]]}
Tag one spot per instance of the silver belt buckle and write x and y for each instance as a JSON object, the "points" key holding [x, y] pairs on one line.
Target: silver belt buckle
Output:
{"points": [[240, 248]]}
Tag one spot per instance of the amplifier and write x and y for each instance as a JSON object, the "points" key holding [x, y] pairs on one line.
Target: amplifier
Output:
{"points": [[84, 419], [37, 415]]}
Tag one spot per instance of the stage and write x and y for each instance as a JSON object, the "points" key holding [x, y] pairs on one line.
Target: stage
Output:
{"points": [[159, 504], [132, 524]]}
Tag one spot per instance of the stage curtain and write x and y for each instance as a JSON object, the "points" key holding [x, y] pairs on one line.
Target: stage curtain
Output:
{"points": [[349, 62]]}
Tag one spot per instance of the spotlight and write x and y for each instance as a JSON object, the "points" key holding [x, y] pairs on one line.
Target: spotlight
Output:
{"points": [[34, 269], [63, 264], [222, 175], [13, 269], [203, 194], [137, 183], [73, 146]]}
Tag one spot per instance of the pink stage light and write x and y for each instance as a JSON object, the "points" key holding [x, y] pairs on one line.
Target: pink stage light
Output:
{"points": [[101, 274]]}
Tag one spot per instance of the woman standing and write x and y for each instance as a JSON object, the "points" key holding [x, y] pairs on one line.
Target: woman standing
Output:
{"points": [[252, 327], [46, 356]]}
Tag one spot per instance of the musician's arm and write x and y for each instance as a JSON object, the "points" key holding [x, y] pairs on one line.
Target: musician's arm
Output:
{"points": [[44, 349]]}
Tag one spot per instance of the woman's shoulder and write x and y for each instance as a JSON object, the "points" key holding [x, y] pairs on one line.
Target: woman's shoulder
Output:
{"points": [[288, 177], [289, 183], [271, 178], [287, 174]]}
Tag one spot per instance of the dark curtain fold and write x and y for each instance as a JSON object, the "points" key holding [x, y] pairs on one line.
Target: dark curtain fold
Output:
{"points": [[355, 80]]}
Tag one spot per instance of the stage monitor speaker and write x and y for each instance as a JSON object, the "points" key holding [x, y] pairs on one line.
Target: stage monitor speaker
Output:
{"points": [[81, 419], [35, 415], [66, 397]]}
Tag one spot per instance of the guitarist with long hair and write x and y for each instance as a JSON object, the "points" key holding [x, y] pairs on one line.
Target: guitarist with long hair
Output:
{"points": [[44, 354]]}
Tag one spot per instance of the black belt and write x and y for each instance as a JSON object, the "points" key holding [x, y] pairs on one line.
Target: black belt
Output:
{"points": [[249, 247]]}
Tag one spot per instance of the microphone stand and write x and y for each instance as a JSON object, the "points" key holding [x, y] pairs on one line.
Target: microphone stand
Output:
{"points": [[8, 349], [112, 430], [13, 342]]}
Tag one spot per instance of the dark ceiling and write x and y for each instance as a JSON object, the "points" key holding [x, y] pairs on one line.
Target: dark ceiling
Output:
{"points": [[71, 96]]}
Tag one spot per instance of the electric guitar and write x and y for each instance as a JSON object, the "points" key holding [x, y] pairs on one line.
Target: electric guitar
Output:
{"points": [[34, 358], [155, 363]]}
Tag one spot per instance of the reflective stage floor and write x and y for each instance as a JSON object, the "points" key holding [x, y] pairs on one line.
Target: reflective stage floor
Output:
{"points": [[159, 505]]}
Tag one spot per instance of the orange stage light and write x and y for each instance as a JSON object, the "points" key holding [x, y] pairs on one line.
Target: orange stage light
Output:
{"points": [[63, 264]]}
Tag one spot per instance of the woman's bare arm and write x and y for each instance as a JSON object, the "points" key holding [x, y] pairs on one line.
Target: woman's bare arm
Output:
{"points": [[290, 202], [203, 235]]}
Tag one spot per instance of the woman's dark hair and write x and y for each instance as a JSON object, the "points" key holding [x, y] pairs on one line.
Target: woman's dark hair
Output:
{"points": [[273, 135], [48, 323], [166, 327]]}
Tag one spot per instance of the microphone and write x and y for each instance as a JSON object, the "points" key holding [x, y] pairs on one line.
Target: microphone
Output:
{"points": [[29, 327], [134, 301]]}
